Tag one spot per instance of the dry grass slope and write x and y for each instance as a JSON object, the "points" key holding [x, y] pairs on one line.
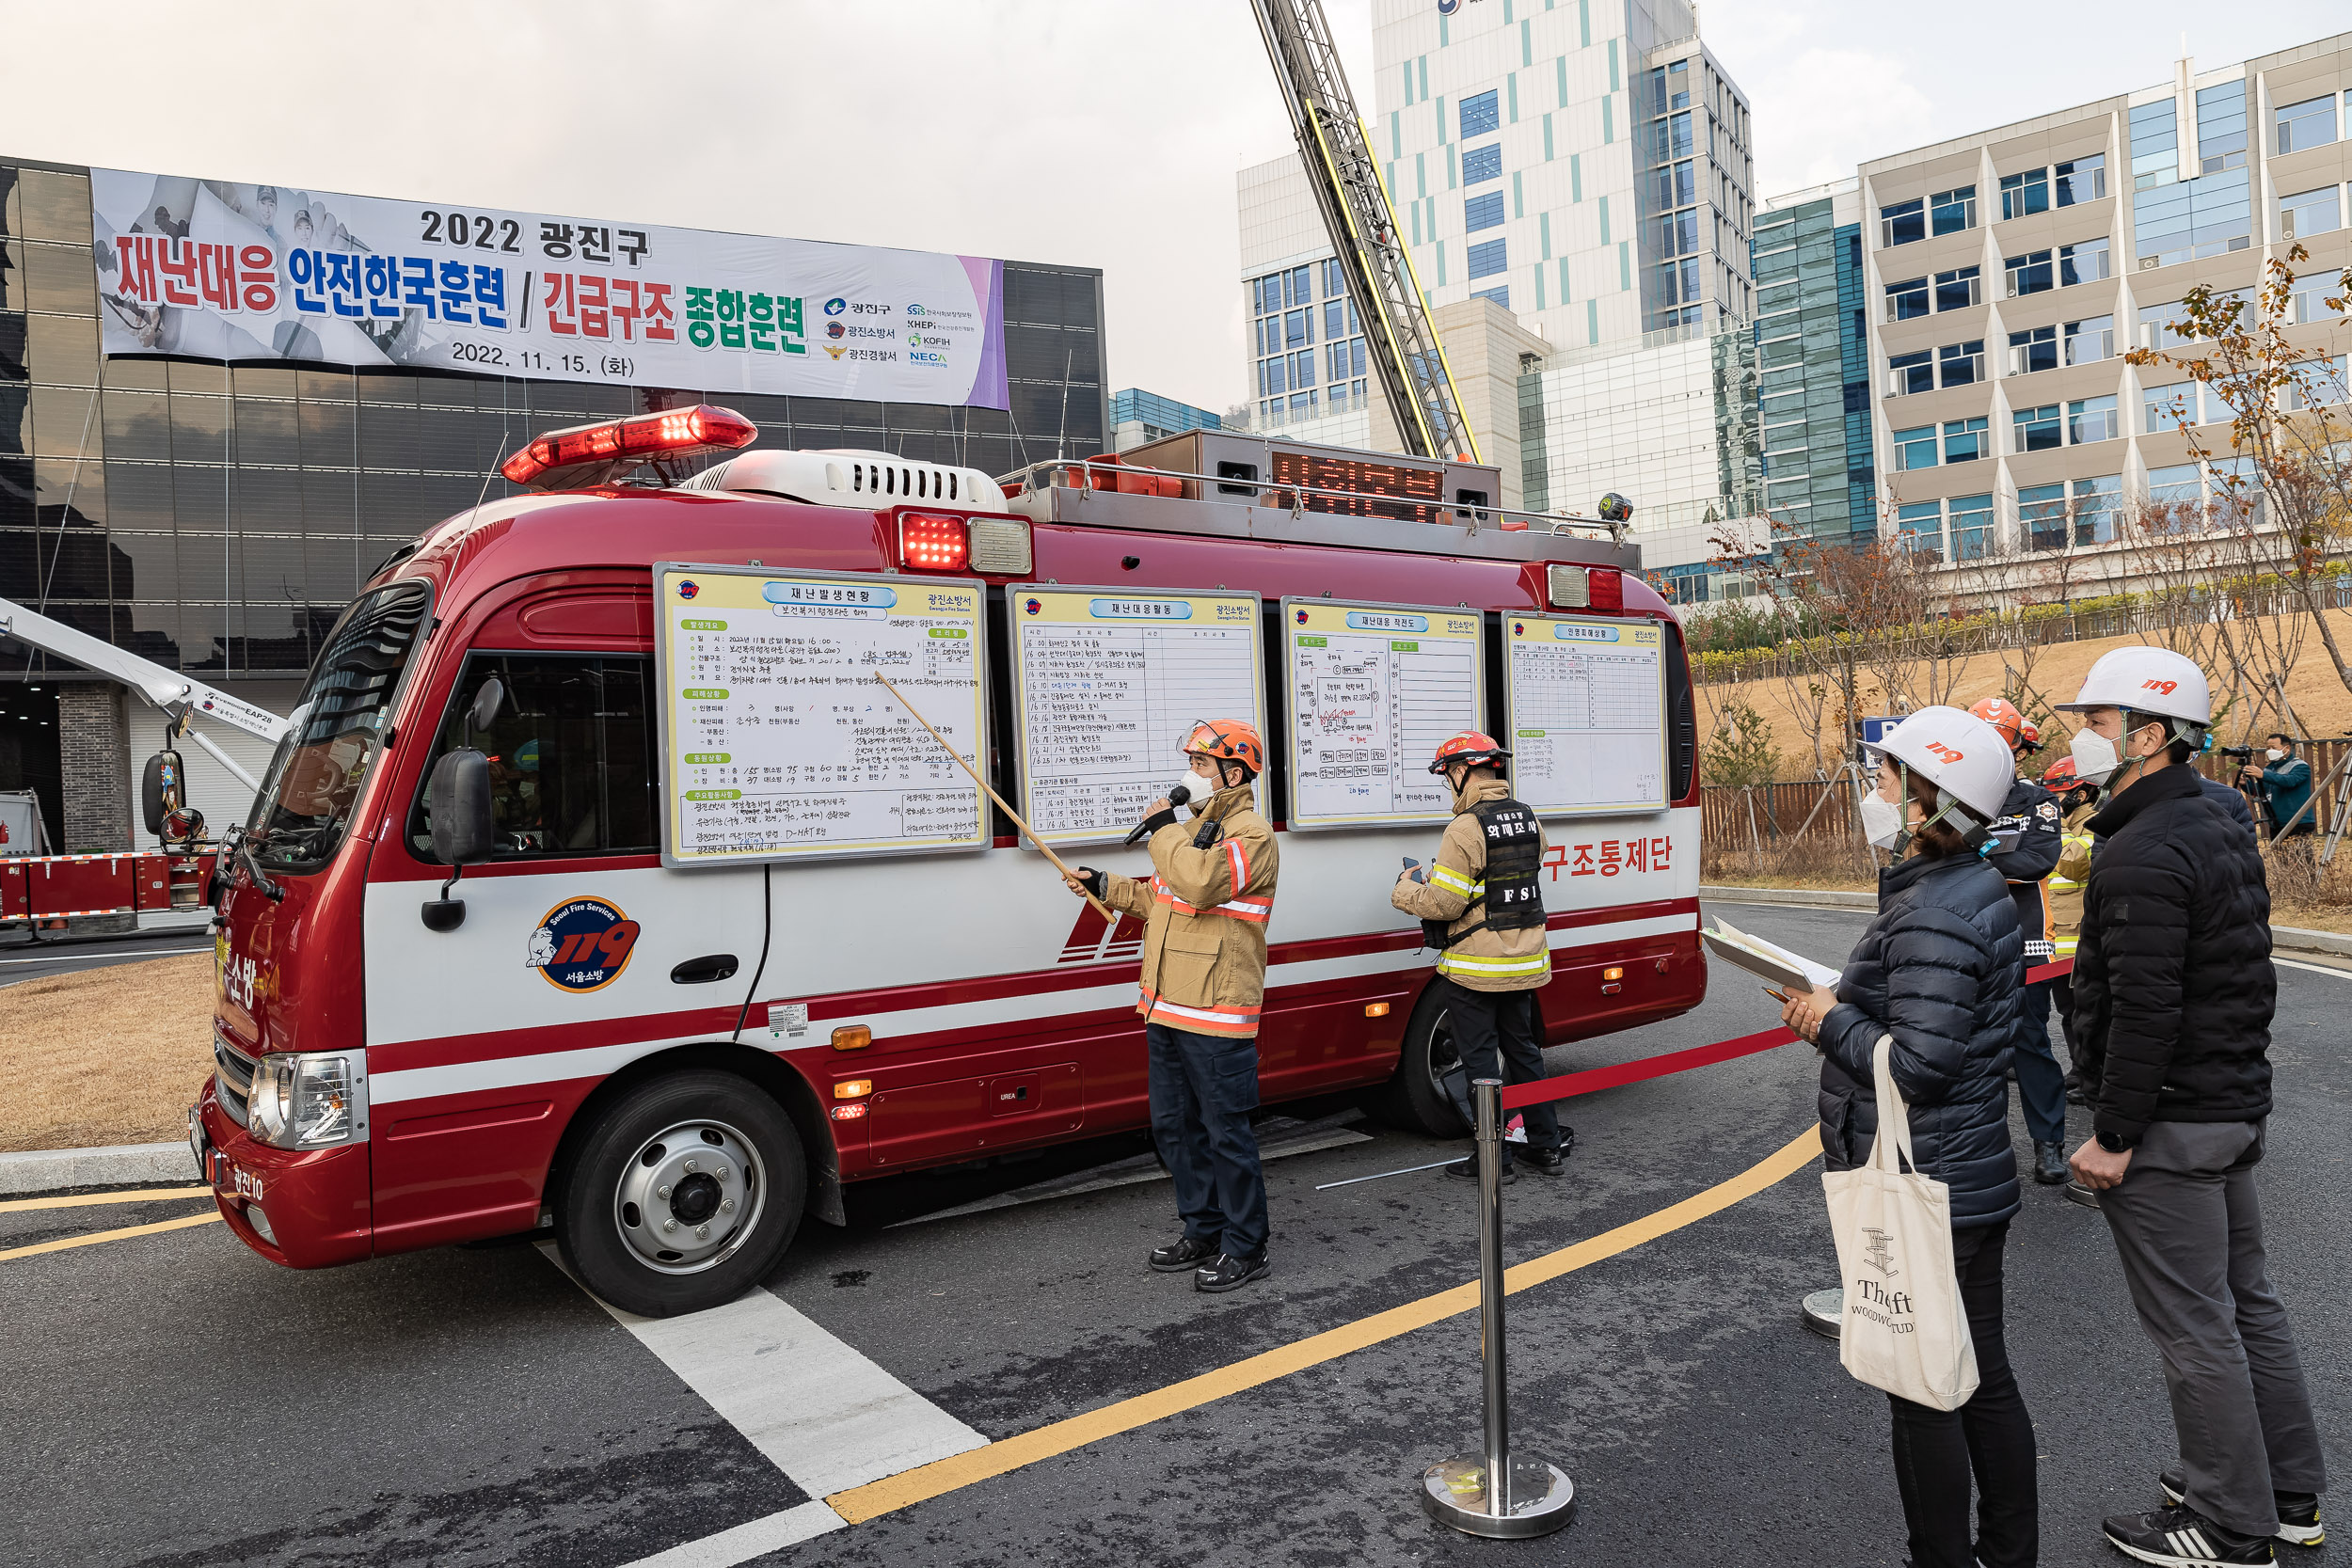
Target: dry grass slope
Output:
{"points": [[105, 1056]]}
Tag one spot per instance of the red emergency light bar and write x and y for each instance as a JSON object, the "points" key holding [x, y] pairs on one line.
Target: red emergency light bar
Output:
{"points": [[592, 455]]}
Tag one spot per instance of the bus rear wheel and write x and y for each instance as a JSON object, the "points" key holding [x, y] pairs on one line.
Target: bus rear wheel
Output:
{"points": [[1415, 1099], [684, 1192]]}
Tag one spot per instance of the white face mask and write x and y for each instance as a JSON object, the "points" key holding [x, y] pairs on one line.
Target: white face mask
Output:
{"points": [[2095, 756], [1192, 785], [2275, 754], [1882, 820]]}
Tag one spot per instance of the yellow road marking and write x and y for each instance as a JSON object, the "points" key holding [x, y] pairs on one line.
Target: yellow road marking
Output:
{"points": [[97, 1236], [861, 1503], [145, 1194]]}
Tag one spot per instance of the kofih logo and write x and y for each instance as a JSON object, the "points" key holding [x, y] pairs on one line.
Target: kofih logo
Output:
{"points": [[583, 944]]}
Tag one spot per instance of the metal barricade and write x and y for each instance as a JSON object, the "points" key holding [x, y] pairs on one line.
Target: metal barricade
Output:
{"points": [[1495, 1493]]}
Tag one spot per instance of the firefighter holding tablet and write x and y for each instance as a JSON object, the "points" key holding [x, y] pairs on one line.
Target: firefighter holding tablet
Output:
{"points": [[1204, 982], [1484, 912]]}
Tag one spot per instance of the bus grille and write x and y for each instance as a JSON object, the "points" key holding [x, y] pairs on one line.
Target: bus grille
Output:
{"points": [[234, 1078]]}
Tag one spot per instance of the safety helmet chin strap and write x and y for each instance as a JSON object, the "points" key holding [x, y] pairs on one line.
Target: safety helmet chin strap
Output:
{"points": [[1947, 809], [2186, 730]]}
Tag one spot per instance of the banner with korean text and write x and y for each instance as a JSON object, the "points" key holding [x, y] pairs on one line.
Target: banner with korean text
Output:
{"points": [[214, 270]]}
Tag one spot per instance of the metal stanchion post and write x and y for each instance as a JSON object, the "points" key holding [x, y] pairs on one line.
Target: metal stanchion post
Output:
{"points": [[1493, 1494]]}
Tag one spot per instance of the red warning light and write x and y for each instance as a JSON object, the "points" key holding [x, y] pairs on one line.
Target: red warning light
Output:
{"points": [[594, 450]]}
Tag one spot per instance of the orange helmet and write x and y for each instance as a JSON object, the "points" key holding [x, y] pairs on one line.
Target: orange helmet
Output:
{"points": [[2060, 775], [1474, 747], [2002, 715], [2029, 739], [1227, 740]]}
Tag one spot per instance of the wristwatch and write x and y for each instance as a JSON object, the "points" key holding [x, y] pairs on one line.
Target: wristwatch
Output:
{"points": [[2112, 1142]]}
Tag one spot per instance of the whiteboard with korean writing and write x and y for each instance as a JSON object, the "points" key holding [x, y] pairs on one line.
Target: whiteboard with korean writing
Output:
{"points": [[778, 742], [1374, 688], [1108, 683], [1587, 714]]}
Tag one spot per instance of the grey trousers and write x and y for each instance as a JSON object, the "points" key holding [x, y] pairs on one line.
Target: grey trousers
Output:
{"points": [[2188, 1227]]}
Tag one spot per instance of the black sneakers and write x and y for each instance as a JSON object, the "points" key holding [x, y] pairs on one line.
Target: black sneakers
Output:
{"points": [[1468, 1169], [2299, 1512], [1541, 1162], [2049, 1164], [1179, 1256], [1228, 1273], [2180, 1537]]}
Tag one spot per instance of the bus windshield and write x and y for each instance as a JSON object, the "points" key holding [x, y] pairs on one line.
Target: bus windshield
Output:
{"points": [[306, 803]]}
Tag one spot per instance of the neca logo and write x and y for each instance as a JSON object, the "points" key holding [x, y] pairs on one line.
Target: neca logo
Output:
{"points": [[1945, 751], [2165, 686]]}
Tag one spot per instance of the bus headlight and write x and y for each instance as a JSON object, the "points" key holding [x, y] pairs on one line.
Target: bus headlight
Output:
{"points": [[310, 1100]]}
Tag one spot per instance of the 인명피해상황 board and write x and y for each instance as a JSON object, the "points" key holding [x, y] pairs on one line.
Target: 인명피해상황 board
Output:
{"points": [[1372, 690], [1587, 714], [1108, 683], [778, 742]]}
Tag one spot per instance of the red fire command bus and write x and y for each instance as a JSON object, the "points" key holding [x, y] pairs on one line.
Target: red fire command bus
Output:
{"points": [[667, 1068]]}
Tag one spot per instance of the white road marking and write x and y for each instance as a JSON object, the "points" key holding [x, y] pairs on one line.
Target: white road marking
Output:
{"points": [[1127, 1173], [748, 1541], [70, 954], [2313, 969]]}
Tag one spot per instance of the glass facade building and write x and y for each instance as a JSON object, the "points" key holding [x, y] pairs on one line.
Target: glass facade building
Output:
{"points": [[217, 517], [1812, 347], [1139, 415], [1307, 345]]}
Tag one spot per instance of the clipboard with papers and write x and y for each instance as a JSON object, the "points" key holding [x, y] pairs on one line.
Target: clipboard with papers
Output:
{"points": [[1767, 961]]}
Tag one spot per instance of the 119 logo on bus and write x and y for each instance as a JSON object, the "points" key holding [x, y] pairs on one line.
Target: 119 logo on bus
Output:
{"points": [[583, 944]]}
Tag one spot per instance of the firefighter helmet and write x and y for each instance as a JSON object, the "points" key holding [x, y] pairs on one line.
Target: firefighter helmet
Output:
{"points": [[1615, 508], [2003, 716], [1227, 740], [1473, 748], [2060, 776]]}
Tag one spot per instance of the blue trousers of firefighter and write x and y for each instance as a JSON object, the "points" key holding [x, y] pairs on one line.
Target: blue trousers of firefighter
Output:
{"points": [[1202, 1091], [2040, 1082]]}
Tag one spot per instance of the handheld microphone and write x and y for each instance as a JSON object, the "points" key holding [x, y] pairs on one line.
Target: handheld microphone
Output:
{"points": [[1152, 824]]}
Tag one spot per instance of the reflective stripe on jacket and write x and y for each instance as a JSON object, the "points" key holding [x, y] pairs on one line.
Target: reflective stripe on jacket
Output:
{"points": [[2063, 889], [1486, 960], [1205, 915]]}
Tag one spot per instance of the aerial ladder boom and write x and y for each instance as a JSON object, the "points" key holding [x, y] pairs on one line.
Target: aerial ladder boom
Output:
{"points": [[1336, 149], [178, 697]]}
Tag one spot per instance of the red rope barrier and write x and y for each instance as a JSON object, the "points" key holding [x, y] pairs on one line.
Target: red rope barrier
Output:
{"points": [[1593, 1078]]}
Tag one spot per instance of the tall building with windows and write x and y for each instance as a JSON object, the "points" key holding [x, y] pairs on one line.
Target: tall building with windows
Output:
{"points": [[1308, 374], [1813, 392], [1139, 415], [1584, 165], [2007, 272]]}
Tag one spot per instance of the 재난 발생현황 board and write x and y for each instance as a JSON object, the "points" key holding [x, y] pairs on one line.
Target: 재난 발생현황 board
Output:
{"points": [[777, 740], [1586, 700], [1374, 688], [1108, 684]]}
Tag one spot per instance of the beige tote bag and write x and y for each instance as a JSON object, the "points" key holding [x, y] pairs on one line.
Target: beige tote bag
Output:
{"points": [[1905, 1330]]}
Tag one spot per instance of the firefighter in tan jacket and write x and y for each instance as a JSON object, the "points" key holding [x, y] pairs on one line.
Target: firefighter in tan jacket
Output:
{"points": [[1483, 910], [1204, 985]]}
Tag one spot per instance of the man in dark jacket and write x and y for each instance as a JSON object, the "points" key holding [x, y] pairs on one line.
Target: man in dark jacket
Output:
{"points": [[2025, 847], [2173, 994]]}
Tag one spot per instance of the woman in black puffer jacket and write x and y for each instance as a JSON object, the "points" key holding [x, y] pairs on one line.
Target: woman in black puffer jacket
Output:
{"points": [[1941, 970]]}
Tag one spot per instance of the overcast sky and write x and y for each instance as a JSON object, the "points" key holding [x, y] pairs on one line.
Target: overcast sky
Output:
{"points": [[1099, 132]]}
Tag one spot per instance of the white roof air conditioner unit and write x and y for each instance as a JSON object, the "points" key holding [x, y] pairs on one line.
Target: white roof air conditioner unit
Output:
{"points": [[850, 476]]}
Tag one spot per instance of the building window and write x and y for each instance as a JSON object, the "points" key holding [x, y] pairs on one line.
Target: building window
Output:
{"points": [[1907, 299], [2029, 274], [1919, 527], [1670, 138], [1956, 290], [2179, 490], [1303, 404], [2039, 429], [1670, 87], [2083, 263], [2091, 420], [2042, 515], [1500, 296], [2158, 324], [2021, 194], [2313, 382], [1334, 280], [1488, 258], [1910, 373], [2169, 408], [1303, 368], [1960, 364], [2083, 180], [2034, 349], [1949, 212], [1481, 163], [2093, 502], [1334, 320], [1677, 186], [2310, 212], [1481, 114], [1966, 440], [2221, 128], [1972, 527], [1915, 448], [1678, 233], [1298, 326], [1482, 211], [1678, 283], [1903, 223], [2310, 123], [2088, 341]]}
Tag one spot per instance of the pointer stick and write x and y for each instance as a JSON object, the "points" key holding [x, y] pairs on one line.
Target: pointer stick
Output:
{"points": [[1108, 912]]}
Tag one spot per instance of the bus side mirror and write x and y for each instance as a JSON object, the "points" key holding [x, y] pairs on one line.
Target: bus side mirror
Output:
{"points": [[160, 790], [462, 828]]}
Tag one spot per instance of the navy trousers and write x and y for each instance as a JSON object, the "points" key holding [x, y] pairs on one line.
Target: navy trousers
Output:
{"points": [[2040, 1082], [1202, 1091]]}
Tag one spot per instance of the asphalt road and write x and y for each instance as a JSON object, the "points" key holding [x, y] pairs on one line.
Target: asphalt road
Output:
{"points": [[22, 960], [171, 1399]]}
